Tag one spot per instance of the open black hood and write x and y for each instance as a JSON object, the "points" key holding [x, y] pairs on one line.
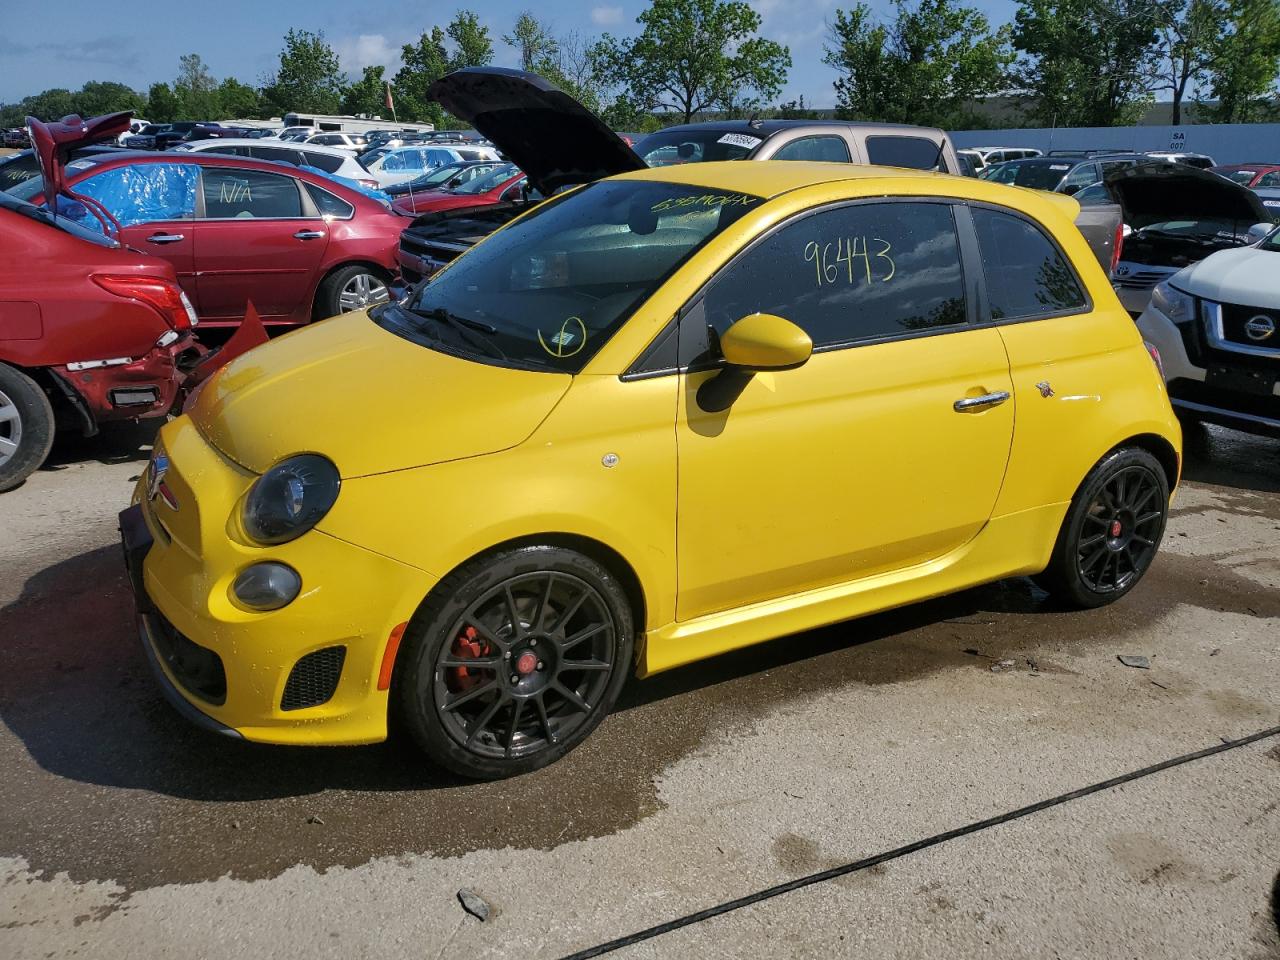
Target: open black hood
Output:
{"points": [[549, 135], [1158, 192]]}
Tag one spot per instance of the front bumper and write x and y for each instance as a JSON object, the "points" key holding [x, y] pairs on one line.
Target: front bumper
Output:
{"points": [[237, 671]]}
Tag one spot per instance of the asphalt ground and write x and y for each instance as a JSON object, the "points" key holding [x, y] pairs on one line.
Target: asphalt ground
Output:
{"points": [[126, 833]]}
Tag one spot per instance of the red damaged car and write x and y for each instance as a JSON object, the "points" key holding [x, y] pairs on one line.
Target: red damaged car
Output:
{"points": [[297, 245], [90, 330], [500, 185]]}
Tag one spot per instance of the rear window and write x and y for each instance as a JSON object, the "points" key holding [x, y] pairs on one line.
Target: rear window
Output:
{"points": [[1036, 174], [917, 153], [1239, 176], [279, 154], [322, 160]]}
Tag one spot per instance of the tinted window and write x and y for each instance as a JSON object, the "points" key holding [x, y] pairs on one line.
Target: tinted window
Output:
{"points": [[1271, 179], [280, 154], [1036, 174], [1081, 176], [1026, 275], [323, 161], [914, 152], [855, 273], [328, 204], [234, 194], [326, 140], [668, 147], [831, 149], [143, 193]]}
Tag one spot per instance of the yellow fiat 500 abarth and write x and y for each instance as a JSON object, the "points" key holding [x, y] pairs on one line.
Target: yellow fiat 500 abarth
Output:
{"points": [[666, 415]]}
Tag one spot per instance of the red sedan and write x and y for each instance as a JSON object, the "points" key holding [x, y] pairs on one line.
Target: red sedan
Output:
{"points": [[1251, 174], [503, 184], [298, 245], [90, 331]]}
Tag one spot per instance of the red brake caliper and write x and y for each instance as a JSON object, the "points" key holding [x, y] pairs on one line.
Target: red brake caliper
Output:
{"points": [[467, 645]]}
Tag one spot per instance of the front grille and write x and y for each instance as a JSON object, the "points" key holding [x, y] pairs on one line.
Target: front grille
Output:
{"points": [[1234, 318], [197, 669], [313, 679], [1141, 279], [411, 244]]}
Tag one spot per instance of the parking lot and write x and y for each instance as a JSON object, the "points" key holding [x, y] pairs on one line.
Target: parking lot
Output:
{"points": [[126, 832]]}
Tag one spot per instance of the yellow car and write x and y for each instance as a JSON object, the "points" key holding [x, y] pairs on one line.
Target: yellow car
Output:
{"points": [[662, 416]]}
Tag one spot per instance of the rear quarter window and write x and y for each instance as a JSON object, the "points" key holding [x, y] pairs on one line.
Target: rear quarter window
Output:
{"points": [[323, 161], [1027, 275]]}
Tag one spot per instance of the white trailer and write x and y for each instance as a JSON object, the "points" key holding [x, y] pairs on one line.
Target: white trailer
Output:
{"points": [[344, 124]]}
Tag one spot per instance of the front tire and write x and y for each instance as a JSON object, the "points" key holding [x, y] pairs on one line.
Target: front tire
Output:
{"points": [[26, 427], [513, 660], [1112, 530]]}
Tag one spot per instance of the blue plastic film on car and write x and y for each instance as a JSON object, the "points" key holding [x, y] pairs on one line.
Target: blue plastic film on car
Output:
{"points": [[140, 193]]}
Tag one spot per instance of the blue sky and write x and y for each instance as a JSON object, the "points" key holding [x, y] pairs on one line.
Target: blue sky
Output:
{"points": [[139, 41]]}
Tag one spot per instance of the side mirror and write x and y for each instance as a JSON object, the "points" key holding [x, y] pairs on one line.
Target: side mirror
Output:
{"points": [[757, 342], [762, 341], [1071, 189], [1259, 231]]}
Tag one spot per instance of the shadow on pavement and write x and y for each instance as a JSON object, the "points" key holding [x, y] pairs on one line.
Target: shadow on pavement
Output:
{"points": [[116, 443], [1228, 458]]}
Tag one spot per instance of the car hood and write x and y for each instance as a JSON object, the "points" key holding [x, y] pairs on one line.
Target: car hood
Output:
{"points": [[369, 400], [1158, 192], [1242, 275], [435, 202], [53, 143], [541, 129]]}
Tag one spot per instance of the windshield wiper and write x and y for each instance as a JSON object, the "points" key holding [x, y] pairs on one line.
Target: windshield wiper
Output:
{"points": [[464, 327]]}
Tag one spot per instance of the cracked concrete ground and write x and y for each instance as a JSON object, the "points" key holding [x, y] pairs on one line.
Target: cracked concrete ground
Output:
{"points": [[125, 833]]}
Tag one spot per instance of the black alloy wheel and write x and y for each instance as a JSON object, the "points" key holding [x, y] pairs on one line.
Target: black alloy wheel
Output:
{"points": [[1123, 524], [1112, 530], [521, 662]]}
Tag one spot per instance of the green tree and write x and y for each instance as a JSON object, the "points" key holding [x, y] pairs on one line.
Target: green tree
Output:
{"points": [[162, 105], [929, 65], [472, 45], [1085, 62], [535, 42], [309, 78], [237, 100], [693, 55], [195, 89], [51, 104], [368, 95], [794, 110], [1187, 36], [1245, 61], [97, 97]]}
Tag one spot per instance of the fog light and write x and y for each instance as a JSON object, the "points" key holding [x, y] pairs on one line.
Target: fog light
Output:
{"points": [[267, 586]]}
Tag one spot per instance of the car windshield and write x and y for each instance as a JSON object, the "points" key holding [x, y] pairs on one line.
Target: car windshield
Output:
{"points": [[547, 291], [668, 147], [1036, 174], [490, 180], [1239, 176], [372, 156], [1272, 242], [438, 176]]}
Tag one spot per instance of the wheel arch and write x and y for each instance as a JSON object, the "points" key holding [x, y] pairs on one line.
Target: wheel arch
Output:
{"points": [[1160, 448], [372, 265]]}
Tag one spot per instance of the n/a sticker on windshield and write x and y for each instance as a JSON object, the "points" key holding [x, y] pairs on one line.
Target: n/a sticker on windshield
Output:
{"points": [[740, 140]]}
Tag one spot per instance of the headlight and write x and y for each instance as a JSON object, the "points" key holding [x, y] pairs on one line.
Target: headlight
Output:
{"points": [[290, 498], [1173, 303]]}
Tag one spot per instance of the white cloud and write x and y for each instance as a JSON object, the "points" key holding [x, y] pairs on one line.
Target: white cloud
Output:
{"points": [[367, 50], [606, 16]]}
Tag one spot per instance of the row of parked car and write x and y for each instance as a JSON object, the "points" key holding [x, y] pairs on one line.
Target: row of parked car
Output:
{"points": [[214, 226]]}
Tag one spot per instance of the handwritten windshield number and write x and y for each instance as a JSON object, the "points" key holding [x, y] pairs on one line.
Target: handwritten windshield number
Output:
{"points": [[846, 252]]}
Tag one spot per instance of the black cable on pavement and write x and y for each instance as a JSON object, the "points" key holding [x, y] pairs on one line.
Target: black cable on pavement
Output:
{"points": [[831, 874]]}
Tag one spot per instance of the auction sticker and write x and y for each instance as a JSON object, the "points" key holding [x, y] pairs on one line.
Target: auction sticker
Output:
{"points": [[740, 140]]}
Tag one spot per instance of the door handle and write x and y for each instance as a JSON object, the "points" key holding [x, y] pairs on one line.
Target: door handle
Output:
{"points": [[983, 402], [165, 238], [309, 234]]}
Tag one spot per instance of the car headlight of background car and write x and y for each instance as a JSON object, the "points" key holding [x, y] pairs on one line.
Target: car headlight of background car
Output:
{"points": [[290, 498], [1173, 303]]}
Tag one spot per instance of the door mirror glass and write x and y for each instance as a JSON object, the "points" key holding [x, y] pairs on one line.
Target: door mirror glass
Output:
{"points": [[763, 341]]}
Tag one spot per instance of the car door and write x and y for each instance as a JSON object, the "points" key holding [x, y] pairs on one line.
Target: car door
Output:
{"points": [[258, 241], [885, 450], [155, 205]]}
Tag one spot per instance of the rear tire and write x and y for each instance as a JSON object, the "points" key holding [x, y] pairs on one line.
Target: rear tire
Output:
{"points": [[513, 660], [26, 427], [349, 288], [1111, 532]]}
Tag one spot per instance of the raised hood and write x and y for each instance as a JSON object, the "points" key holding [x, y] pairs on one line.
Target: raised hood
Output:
{"points": [[1159, 192], [53, 143], [369, 400], [541, 129]]}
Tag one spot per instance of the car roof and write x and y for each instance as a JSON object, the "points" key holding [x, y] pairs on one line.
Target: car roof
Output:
{"points": [[769, 178], [210, 146], [206, 159], [766, 128], [1244, 166]]}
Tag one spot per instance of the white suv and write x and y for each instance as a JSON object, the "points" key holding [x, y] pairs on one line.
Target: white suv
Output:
{"points": [[352, 143], [329, 159], [1216, 324]]}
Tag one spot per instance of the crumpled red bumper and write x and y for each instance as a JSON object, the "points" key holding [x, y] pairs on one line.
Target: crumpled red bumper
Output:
{"points": [[147, 387]]}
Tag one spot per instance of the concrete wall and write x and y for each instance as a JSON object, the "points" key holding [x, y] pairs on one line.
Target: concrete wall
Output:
{"points": [[1225, 142]]}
